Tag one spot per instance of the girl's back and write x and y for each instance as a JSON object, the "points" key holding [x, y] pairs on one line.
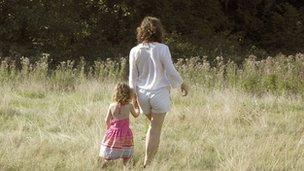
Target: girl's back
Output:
{"points": [[118, 140], [120, 111], [120, 117]]}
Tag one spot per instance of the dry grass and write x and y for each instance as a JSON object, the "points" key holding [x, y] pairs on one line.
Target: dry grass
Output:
{"points": [[211, 130], [247, 118]]}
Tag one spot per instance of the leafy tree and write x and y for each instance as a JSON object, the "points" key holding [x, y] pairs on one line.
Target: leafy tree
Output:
{"points": [[70, 29]]}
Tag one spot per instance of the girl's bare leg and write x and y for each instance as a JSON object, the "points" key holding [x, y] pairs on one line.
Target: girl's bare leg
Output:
{"points": [[125, 163], [153, 135], [149, 116], [105, 164]]}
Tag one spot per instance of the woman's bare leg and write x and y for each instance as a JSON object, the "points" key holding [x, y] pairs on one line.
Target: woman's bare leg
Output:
{"points": [[153, 135]]}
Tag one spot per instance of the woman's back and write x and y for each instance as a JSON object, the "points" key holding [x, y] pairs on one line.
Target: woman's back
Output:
{"points": [[151, 65]]}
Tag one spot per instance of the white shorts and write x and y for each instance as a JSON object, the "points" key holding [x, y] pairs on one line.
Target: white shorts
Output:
{"points": [[154, 101]]}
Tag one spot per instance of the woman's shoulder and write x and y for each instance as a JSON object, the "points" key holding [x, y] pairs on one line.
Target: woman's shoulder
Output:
{"points": [[137, 47], [159, 45], [134, 48], [155, 44], [162, 46]]}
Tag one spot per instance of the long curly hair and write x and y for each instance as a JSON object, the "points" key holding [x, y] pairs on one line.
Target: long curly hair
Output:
{"points": [[150, 30], [122, 93]]}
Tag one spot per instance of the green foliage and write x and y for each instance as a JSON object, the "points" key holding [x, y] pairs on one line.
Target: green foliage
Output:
{"points": [[249, 75], [281, 74], [41, 68], [116, 70], [64, 76], [224, 129], [241, 116], [69, 29], [32, 94], [8, 71]]}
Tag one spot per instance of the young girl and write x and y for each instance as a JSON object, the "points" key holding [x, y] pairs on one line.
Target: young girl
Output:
{"points": [[118, 140]]}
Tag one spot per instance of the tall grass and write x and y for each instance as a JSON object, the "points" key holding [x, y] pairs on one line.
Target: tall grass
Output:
{"points": [[281, 74], [247, 117]]}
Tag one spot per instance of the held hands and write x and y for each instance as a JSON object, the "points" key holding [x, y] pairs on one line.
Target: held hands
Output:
{"points": [[135, 103], [184, 89], [135, 108], [136, 111], [134, 100]]}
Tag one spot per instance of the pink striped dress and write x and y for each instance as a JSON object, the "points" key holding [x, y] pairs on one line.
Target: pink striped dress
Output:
{"points": [[118, 140]]}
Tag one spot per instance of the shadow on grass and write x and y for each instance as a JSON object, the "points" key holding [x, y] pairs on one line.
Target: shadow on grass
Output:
{"points": [[32, 94], [9, 112]]}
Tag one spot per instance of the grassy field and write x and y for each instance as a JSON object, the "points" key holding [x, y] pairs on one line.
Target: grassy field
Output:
{"points": [[246, 121]]}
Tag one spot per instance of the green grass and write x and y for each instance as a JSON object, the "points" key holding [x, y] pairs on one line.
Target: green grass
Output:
{"points": [[218, 129], [233, 119]]}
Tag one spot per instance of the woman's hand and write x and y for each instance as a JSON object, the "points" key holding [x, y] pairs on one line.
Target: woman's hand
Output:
{"points": [[184, 89]]}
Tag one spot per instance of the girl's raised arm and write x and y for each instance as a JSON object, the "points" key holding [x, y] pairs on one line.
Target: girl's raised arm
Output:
{"points": [[134, 111], [108, 117]]}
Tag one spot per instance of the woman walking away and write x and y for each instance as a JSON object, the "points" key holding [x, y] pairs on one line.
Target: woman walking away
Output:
{"points": [[151, 76]]}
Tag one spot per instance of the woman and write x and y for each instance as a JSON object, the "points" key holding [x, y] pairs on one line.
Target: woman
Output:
{"points": [[151, 76]]}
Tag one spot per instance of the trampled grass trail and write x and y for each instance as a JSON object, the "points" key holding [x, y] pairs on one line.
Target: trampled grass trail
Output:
{"points": [[220, 129]]}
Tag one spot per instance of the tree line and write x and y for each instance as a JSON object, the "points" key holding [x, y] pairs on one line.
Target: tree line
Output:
{"points": [[99, 29]]}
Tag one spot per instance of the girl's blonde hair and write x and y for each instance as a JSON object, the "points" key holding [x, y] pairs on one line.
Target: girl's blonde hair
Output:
{"points": [[122, 93], [150, 30]]}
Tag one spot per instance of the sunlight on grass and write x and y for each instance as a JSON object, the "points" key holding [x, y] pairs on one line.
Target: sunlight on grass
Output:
{"points": [[256, 123]]}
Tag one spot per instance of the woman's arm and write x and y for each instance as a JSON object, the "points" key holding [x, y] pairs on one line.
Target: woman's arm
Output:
{"points": [[133, 75], [174, 77], [133, 72]]}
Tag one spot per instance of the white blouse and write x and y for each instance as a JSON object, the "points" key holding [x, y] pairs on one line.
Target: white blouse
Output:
{"points": [[151, 67]]}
